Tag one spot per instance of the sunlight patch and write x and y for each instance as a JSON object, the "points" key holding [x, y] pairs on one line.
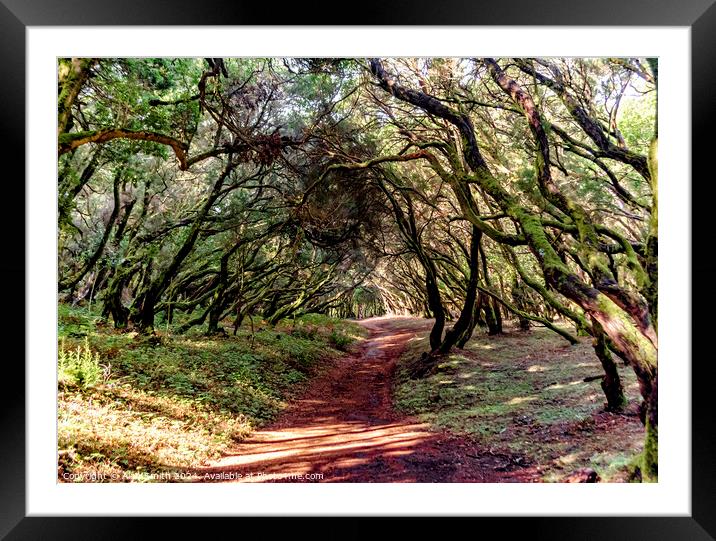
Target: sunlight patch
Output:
{"points": [[537, 368], [520, 400], [567, 459]]}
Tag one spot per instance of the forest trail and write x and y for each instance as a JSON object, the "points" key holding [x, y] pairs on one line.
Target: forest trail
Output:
{"points": [[344, 429]]}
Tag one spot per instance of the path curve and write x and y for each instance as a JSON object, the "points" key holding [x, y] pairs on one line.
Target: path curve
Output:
{"points": [[343, 428]]}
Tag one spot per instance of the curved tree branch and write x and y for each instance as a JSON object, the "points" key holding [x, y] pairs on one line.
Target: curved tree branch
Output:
{"points": [[67, 142]]}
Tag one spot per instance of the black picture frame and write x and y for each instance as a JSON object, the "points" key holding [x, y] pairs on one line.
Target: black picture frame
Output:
{"points": [[16, 15]]}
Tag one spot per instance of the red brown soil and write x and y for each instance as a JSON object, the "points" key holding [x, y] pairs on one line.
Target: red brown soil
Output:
{"points": [[344, 429]]}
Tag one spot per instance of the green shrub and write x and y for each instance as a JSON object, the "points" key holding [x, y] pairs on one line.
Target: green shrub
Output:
{"points": [[78, 367], [306, 332], [75, 322], [181, 400], [340, 340]]}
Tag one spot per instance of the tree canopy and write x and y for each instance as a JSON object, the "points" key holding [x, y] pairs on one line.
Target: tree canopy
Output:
{"points": [[468, 190]]}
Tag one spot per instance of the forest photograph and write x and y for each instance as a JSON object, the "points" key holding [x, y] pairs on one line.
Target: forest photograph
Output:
{"points": [[357, 270]]}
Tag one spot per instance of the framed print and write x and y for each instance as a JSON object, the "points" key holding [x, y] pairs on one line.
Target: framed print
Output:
{"points": [[416, 113]]}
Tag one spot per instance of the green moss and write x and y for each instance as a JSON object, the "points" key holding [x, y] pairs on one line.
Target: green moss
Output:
{"points": [[538, 239], [653, 162], [65, 138], [650, 456], [643, 351], [644, 466]]}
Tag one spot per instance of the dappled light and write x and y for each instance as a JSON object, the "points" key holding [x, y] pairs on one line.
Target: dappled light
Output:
{"points": [[357, 269], [330, 448], [521, 400], [345, 431], [536, 368]]}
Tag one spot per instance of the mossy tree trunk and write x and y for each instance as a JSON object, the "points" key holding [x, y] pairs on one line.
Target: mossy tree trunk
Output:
{"points": [[71, 282], [143, 308], [464, 320], [623, 315], [611, 383], [405, 220], [72, 75], [112, 299]]}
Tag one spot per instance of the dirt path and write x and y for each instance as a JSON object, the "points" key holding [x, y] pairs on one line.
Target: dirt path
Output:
{"points": [[343, 429]]}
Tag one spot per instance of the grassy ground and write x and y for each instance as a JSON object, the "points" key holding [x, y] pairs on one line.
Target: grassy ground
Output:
{"points": [[524, 394], [132, 409]]}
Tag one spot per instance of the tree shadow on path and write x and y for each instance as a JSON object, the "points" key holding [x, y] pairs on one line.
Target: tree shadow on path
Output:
{"points": [[343, 429]]}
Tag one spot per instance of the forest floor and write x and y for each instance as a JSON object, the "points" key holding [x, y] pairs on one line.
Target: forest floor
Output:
{"points": [[144, 409], [523, 396], [345, 426], [322, 400]]}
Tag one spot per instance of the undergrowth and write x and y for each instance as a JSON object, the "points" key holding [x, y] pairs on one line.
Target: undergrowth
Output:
{"points": [[129, 406], [524, 393]]}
